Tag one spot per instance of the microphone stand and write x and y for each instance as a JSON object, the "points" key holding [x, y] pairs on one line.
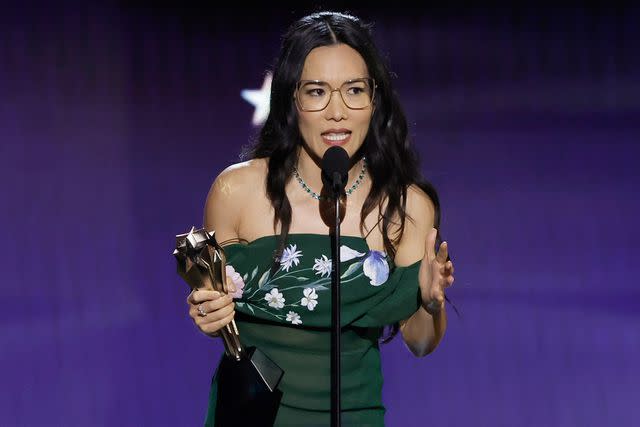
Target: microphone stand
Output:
{"points": [[335, 311]]}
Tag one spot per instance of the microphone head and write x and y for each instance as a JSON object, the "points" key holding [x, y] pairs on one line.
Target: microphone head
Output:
{"points": [[335, 168]]}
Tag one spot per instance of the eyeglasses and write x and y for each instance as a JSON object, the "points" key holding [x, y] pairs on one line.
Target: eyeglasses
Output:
{"points": [[315, 95]]}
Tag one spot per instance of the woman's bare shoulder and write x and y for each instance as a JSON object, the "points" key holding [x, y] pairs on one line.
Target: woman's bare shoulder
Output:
{"points": [[420, 217], [240, 181], [243, 174], [233, 190], [420, 205]]}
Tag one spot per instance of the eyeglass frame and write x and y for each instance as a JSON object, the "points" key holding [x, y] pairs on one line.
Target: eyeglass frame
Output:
{"points": [[371, 80]]}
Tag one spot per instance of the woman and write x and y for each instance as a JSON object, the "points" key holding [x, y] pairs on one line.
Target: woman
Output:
{"points": [[330, 88]]}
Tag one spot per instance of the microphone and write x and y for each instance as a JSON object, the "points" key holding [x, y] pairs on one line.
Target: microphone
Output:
{"points": [[335, 168]]}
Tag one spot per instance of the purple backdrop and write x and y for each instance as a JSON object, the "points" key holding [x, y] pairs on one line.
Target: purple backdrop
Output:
{"points": [[115, 119]]}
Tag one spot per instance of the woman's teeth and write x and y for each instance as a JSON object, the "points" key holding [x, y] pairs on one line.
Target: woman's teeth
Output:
{"points": [[336, 136]]}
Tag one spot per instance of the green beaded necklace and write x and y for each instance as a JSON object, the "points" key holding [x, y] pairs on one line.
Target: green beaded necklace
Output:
{"points": [[316, 196]]}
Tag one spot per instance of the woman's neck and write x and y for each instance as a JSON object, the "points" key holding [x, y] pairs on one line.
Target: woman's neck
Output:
{"points": [[310, 171]]}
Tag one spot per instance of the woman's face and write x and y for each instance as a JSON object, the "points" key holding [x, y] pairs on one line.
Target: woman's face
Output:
{"points": [[337, 124]]}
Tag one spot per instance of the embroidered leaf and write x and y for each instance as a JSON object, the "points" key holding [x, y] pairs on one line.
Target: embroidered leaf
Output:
{"points": [[244, 278], [352, 269], [302, 279], [240, 304], [263, 279], [250, 308], [253, 273]]}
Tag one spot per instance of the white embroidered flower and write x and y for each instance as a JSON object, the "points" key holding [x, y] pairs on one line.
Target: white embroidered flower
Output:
{"points": [[290, 256], [322, 266], [294, 318], [347, 254], [275, 299], [310, 298]]}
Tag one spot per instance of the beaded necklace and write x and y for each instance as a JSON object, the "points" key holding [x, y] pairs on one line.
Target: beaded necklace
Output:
{"points": [[317, 196]]}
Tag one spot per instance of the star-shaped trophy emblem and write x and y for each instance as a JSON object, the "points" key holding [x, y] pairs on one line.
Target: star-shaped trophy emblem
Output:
{"points": [[259, 98], [199, 259]]}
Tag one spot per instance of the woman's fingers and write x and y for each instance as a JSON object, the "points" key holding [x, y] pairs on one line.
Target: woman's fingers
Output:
{"points": [[448, 267], [447, 274], [442, 276], [210, 310], [443, 253], [214, 316], [437, 271], [216, 304], [203, 303], [450, 280], [213, 327], [200, 295], [431, 243]]}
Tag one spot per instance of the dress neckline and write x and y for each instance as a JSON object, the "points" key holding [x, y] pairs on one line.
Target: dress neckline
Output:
{"points": [[267, 237], [294, 235]]}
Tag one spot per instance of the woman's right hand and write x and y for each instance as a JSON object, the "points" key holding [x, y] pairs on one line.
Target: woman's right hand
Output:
{"points": [[210, 310]]}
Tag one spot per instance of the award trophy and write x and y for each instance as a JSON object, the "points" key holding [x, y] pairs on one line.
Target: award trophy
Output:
{"points": [[246, 378]]}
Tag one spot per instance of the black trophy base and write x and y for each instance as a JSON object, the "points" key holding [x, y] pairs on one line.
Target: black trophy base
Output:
{"points": [[247, 393]]}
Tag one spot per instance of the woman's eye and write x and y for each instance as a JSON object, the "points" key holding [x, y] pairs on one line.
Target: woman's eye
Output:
{"points": [[315, 92], [355, 90]]}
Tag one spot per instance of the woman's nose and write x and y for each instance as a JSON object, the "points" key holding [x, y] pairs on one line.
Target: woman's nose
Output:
{"points": [[337, 109]]}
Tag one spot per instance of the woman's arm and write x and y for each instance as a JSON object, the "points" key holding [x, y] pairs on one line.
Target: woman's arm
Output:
{"points": [[423, 331]]}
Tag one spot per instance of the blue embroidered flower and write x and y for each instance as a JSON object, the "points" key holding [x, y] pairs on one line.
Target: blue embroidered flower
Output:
{"points": [[290, 256], [375, 267]]}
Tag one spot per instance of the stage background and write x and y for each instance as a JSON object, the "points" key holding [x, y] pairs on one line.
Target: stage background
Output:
{"points": [[116, 117]]}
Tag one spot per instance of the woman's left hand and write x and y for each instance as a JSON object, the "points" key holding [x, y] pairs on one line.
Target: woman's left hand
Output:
{"points": [[436, 274]]}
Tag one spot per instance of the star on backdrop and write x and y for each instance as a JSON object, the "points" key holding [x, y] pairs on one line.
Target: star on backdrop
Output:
{"points": [[259, 98]]}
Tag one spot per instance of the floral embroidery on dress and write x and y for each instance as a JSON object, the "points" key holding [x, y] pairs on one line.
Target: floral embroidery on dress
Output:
{"points": [[376, 268], [294, 318], [371, 264], [290, 256], [275, 299], [322, 266], [310, 298], [237, 281], [374, 264], [347, 254]]}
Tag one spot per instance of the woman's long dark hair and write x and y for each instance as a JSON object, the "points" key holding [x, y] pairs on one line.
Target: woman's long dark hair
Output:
{"points": [[391, 159]]}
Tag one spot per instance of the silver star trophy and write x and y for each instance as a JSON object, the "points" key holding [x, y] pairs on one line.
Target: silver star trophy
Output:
{"points": [[202, 264]]}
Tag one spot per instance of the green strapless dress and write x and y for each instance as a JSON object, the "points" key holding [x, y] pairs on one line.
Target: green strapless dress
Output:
{"points": [[287, 314]]}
